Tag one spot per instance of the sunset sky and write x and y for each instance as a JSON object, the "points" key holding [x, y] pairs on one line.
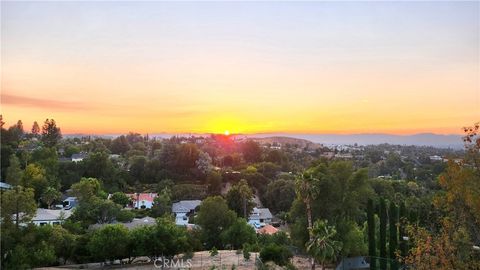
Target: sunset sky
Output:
{"points": [[248, 67]]}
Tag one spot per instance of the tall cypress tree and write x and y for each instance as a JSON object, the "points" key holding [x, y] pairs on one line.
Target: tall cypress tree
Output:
{"points": [[413, 217], [371, 234], [401, 230], [392, 243], [383, 234]]}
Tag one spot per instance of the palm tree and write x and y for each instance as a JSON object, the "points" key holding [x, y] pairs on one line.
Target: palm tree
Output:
{"points": [[306, 187], [322, 246]]}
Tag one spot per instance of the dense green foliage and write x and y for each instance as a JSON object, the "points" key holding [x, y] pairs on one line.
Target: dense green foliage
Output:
{"points": [[214, 217], [275, 253], [330, 207], [372, 250]]}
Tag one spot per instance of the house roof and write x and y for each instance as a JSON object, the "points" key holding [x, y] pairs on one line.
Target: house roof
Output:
{"points": [[80, 155], [51, 214], [185, 206], [4, 185], [267, 229], [70, 199], [149, 197], [261, 213]]}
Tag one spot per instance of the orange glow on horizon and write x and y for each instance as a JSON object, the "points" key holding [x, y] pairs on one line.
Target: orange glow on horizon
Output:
{"points": [[160, 67]]}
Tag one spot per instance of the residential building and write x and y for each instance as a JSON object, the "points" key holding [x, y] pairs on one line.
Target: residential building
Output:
{"points": [[4, 186], [260, 217], [50, 216], [183, 210], [267, 229], [70, 202], [142, 200], [79, 157]]}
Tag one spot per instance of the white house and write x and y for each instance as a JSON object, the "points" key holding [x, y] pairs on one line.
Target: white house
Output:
{"points": [[260, 217], [183, 209], [79, 157], [142, 200], [50, 216]]}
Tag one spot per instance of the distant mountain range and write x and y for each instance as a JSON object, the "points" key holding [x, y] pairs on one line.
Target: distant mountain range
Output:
{"points": [[425, 139], [283, 140]]}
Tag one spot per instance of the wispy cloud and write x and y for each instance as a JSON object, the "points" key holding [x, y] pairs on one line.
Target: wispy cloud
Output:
{"points": [[107, 109], [51, 104]]}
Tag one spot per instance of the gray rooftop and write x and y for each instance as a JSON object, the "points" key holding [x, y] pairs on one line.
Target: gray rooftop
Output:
{"points": [[51, 214], [261, 213], [80, 155], [185, 206]]}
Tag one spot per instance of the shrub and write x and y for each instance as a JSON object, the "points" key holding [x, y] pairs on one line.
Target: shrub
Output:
{"points": [[214, 252], [275, 253], [246, 254], [125, 216]]}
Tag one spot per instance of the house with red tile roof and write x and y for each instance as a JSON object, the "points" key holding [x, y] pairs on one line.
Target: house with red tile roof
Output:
{"points": [[267, 229], [142, 200]]}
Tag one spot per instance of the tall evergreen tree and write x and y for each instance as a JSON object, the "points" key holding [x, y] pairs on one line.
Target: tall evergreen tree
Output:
{"points": [[401, 230], [50, 133], [20, 127], [14, 171], [392, 243], [383, 234], [371, 234], [35, 129]]}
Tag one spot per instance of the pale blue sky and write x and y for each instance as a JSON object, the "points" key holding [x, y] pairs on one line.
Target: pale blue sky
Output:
{"points": [[351, 59]]}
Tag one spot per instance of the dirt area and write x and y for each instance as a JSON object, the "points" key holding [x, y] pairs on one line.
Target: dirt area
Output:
{"points": [[200, 261]]}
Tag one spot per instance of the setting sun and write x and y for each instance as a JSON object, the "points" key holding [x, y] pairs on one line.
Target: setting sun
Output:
{"points": [[227, 132], [208, 70]]}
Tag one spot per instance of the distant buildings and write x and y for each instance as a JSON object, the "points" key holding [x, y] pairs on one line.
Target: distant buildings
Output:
{"points": [[344, 155], [183, 209], [328, 155], [436, 158]]}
